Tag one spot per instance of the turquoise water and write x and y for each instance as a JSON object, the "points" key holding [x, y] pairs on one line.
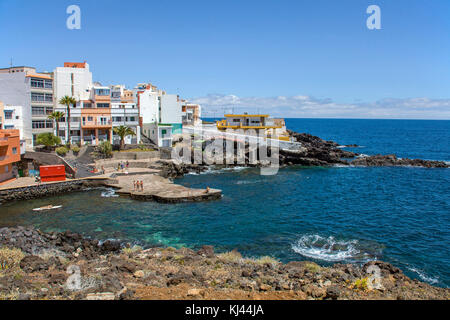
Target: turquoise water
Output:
{"points": [[328, 215]]}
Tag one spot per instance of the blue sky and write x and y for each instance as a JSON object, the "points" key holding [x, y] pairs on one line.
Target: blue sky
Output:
{"points": [[247, 53]]}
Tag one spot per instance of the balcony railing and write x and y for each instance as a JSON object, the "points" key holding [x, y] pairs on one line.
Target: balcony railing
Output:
{"points": [[96, 123]]}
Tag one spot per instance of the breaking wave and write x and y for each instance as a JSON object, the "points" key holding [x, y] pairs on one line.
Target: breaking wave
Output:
{"points": [[331, 249], [424, 276], [109, 193]]}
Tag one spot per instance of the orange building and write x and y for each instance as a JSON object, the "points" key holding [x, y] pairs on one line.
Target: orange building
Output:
{"points": [[9, 153]]}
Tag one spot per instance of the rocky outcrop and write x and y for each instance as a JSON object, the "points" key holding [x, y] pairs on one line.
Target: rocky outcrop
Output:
{"points": [[392, 160], [69, 266]]}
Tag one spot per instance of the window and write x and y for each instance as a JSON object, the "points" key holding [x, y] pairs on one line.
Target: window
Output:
{"points": [[102, 105], [38, 124], [102, 92], [9, 114], [49, 110], [87, 105], [41, 97], [8, 127], [14, 150], [42, 124], [37, 111], [48, 84], [37, 83]]}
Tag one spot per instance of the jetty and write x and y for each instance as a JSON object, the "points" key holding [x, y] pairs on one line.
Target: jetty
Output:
{"points": [[157, 188]]}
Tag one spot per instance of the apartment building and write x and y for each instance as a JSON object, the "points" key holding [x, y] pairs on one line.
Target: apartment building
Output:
{"points": [[33, 92], [159, 112], [124, 112], [191, 114], [9, 153], [75, 80], [15, 117]]}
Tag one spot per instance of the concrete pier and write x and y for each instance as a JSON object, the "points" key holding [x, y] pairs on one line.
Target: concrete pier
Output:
{"points": [[159, 189]]}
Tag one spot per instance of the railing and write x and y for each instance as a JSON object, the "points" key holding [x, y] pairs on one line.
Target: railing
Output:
{"points": [[97, 123]]}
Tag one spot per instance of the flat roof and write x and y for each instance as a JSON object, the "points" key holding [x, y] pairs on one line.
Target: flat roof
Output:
{"points": [[39, 76], [246, 115]]}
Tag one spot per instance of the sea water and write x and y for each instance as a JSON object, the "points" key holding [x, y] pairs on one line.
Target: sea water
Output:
{"points": [[327, 215]]}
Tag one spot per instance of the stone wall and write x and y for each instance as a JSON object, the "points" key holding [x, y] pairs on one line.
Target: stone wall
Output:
{"points": [[136, 155], [48, 189]]}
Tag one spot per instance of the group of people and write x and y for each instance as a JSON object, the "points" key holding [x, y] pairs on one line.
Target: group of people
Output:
{"points": [[138, 185], [122, 165]]}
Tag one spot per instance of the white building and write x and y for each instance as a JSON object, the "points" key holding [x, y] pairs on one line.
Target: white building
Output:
{"points": [[23, 86], [73, 80], [161, 134], [19, 118], [124, 112], [159, 112]]}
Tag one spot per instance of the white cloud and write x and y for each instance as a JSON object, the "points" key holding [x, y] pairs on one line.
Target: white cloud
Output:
{"points": [[309, 107]]}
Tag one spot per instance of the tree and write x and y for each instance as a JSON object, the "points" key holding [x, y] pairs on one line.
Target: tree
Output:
{"points": [[48, 139], [123, 132], [56, 116], [67, 101]]}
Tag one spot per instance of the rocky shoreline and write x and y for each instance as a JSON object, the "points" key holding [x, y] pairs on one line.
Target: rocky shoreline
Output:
{"points": [[38, 265]]}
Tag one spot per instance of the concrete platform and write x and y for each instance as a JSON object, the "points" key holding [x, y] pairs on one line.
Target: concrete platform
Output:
{"points": [[159, 189]]}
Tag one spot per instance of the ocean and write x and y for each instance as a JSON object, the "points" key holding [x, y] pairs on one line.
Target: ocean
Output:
{"points": [[327, 215]]}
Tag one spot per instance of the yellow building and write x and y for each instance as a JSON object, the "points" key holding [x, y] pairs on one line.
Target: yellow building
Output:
{"points": [[257, 122]]}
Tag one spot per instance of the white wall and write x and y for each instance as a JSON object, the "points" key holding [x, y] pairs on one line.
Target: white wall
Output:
{"points": [[170, 109], [82, 82], [149, 106]]}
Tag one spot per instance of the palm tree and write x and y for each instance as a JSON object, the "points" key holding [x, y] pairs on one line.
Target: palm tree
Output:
{"points": [[122, 132], [56, 116], [67, 101]]}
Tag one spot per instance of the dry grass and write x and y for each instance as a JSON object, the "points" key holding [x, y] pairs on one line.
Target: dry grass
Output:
{"points": [[232, 256], [10, 259], [267, 260]]}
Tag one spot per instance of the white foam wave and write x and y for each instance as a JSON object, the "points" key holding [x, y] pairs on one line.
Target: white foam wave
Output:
{"points": [[109, 193], [328, 249], [424, 276]]}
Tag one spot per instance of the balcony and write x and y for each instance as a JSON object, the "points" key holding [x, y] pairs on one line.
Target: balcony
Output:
{"points": [[3, 158], [97, 124]]}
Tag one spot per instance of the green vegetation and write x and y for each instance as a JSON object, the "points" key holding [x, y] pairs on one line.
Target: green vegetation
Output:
{"points": [[123, 132], [312, 267], [133, 249], [105, 149], [10, 259], [361, 284], [48, 139], [62, 151], [75, 149], [56, 116], [68, 101]]}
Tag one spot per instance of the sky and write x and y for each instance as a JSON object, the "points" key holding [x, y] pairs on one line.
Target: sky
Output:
{"points": [[299, 58]]}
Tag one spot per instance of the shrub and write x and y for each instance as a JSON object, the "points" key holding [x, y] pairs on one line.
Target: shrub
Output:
{"points": [[232, 256], [361, 284], [105, 148], [10, 259], [48, 139], [267, 260], [75, 149], [61, 151]]}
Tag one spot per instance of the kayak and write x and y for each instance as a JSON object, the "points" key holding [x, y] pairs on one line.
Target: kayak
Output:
{"points": [[47, 208]]}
